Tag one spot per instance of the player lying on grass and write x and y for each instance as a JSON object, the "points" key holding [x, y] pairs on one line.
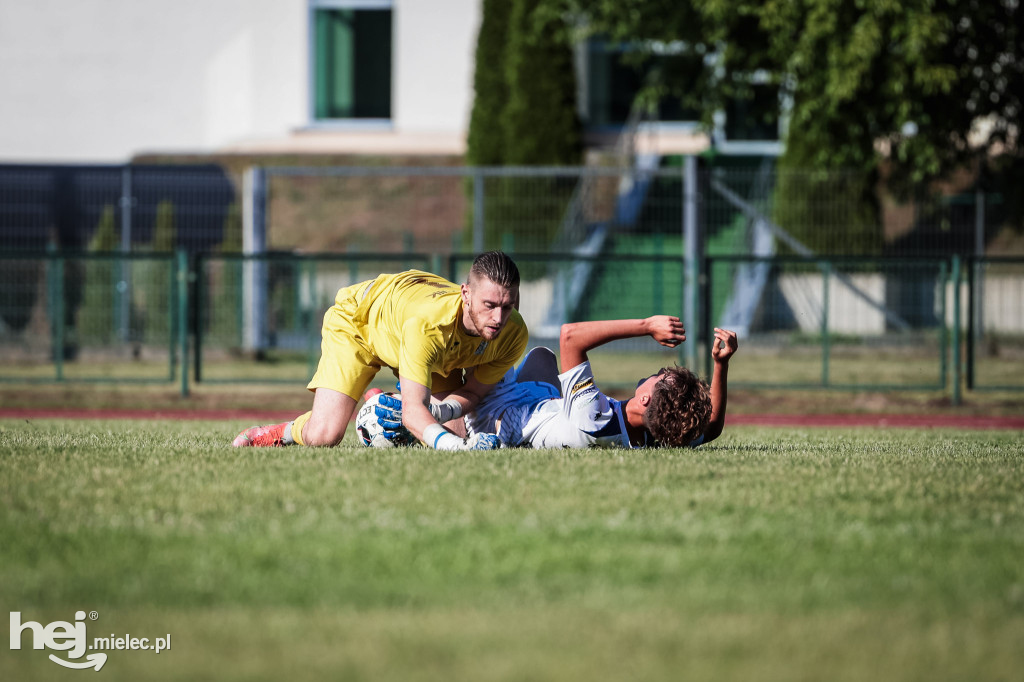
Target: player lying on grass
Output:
{"points": [[536, 406], [428, 330]]}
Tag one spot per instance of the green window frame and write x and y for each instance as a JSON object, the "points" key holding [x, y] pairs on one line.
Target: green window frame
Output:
{"points": [[351, 59]]}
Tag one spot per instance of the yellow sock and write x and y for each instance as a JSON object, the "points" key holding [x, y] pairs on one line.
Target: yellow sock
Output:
{"points": [[297, 425]]}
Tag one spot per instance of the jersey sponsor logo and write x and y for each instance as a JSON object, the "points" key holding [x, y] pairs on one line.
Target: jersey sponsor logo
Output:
{"points": [[582, 385], [446, 286]]}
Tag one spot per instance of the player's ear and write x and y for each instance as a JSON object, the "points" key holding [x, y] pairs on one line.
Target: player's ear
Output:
{"points": [[465, 293]]}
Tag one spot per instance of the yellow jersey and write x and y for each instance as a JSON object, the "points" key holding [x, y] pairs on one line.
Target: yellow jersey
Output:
{"points": [[411, 322]]}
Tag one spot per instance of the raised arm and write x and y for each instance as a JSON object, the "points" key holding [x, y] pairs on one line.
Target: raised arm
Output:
{"points": [[577, 338], [723, 347]]}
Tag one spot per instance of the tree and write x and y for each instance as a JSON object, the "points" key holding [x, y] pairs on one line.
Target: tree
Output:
{"points": [[539, 121], [157, 286], [224, 305], [485, 143], [524, 114], [925, 87], [96, 314]]}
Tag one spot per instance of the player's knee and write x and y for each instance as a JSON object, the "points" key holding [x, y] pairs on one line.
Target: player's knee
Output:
{"points": [[540, 354], [323, 434], [540, 364]]}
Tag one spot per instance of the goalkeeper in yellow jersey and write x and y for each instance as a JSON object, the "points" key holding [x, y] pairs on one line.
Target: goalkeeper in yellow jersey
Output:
{"points": [[428, 330]]}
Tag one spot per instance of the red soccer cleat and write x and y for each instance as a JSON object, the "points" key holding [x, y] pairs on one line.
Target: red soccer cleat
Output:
{"points": [[261, 436]]}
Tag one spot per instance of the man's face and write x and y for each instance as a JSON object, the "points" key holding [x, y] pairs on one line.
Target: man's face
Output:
{"points": [[486, 307]]}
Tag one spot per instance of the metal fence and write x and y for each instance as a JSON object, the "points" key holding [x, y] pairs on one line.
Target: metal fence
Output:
{"points": [[854, 323], [739, 206], [994, 323], [155, 273], [258, 318], [932, 324], [128, 208], [93, 317]]}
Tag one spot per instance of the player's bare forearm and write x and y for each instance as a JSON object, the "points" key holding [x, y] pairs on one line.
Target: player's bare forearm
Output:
{"points": [[466, 398], [577, 338], [416, 416], [719, 399], [723, 347], [470, 394]]}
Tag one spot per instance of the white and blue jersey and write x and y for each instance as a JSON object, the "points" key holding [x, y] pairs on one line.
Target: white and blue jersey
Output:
{"points": [[534, 413]]}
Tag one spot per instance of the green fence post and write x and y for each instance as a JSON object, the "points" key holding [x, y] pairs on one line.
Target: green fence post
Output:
{"points": [[197, 360], [707, 285], [452, 266], [181, 262], [956, 330], [508, 242], [172, 314], [408, 246], [659, 298], [312, 357], [943, 336], [353, 268], [825, 345], [973, 275], [478, 210], [57, 296]]}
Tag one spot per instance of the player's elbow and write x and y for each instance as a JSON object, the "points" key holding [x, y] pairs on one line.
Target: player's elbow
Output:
{"points": [[567, 336], [713, 431]]}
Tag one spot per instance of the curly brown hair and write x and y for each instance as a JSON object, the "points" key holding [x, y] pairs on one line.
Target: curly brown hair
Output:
{"points": [[680, 408]]}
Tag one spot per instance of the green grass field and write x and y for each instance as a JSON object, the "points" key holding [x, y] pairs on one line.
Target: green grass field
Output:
{"points": [[770, 555]]}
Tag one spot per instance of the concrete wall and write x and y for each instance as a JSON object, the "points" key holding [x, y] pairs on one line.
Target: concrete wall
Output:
{"points": [[435, 45], [1002, 303], [848, 313]]}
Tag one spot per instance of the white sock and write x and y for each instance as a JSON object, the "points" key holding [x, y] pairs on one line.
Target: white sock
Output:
{"points": [[286, 438]]}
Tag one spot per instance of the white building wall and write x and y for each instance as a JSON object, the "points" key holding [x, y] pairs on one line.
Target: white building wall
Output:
{"points": [[103, 80], [435, 46]]}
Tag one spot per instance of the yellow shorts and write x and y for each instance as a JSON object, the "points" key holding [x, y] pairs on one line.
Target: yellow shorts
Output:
{"points": [[347, 364]]}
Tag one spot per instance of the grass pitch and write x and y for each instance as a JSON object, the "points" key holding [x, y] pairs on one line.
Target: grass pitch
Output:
{"points": [[769, 555]]}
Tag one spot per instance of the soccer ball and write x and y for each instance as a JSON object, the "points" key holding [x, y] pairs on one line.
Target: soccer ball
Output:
{"points": [[371, 430]]}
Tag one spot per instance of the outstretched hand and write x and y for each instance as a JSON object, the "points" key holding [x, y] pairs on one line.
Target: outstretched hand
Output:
{"points": [[724, 345], [666, 330]]}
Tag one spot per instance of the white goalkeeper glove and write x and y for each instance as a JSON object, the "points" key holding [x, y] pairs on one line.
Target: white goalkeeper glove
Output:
{"points": [[482, 441], [439, 438]]}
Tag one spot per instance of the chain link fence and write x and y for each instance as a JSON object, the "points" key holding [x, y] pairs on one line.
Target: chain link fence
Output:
{"points": [[853, 323], [93, 317], [88, 256], [742, 206]]}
